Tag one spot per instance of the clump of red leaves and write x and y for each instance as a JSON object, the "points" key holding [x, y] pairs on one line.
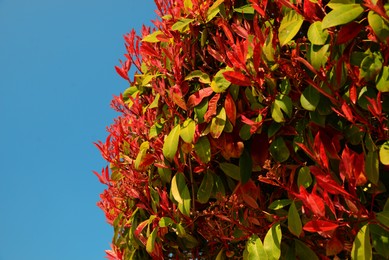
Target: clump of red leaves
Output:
{"points": [[251, 121]]}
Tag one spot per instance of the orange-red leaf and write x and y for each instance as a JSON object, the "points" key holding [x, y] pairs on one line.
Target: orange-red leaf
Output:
{"points": [[320, 226]]}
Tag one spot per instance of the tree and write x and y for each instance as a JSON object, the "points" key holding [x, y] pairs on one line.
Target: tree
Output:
{"points": [[252, 129]]}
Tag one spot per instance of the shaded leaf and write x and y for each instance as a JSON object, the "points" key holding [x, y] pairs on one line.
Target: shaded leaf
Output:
{"points": [[206, 187], [383, 80], [383, 217], [304, 177], [310, 98], [203, 149], [231, 170], [218, 123], [278, 150], [372, 167], [294, 221]]}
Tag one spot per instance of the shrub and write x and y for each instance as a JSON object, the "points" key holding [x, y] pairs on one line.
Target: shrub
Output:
{"points": [[252, 129]]}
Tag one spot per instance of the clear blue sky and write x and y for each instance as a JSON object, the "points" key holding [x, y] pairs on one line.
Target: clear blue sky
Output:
{"points": [[57, 78]]}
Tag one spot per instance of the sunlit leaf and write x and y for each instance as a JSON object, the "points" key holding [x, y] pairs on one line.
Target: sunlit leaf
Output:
{"points": [[361, 246], [282, 104], [218, 123], [152, 37], [383, 80], [202, 76], [379, 25], [310, 98], [150, 245], [188, 130], [170, 144], [219, 82], [341, 15], [316, 35], [272, 242], [290, 25], [255, 249], [304, 177], [279, 204], [182, 25]]}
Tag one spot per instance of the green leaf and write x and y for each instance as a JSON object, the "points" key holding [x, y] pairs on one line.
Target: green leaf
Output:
{"points": [[384, 153], [150, 244], [342, 15], [303, 251], [316, 35], [152, 37], [182, 25], [361, 246], [379, 25], [203, 149], [282, 104], [383, 217], [382, 80], [214, 10], [188, 130], [220, 255], [272, 242], [310, 98], [372, 167], [294, 221], [278, 150], [304, 177], [380, 240], [202, 76], [335, 4], [219, 83], [231, 170], [165, 174], [246, 9], [279, 204], [165, 222], [142, 152], [170, 144], [180, 193], [218, 187], [290, 25], [218, 123], [371, 65], [200, 110], [245, 166], [318, 55], [206, 187], [255, 249]]}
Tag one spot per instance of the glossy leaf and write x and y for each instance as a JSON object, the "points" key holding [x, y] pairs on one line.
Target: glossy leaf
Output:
{"points": [[170, 144], [304, 177], [203, 149], [361, 246], [342, 15], [219, 82], [320, 226], [294, 221], [278, 150], [272, 242], [383, 80], [206, 187], [182, 24], [282, 104], [180, 193], [289, 27], [255, 249], [316, 35], [372, 167], [188, 130], [231, 170], [310, 98], [218, 123]]}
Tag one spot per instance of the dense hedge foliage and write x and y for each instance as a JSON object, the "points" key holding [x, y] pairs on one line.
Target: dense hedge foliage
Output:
{"points": [[252, 129]]}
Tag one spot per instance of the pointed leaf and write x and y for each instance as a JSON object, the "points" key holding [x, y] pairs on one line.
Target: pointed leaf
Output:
{"points": [[188, 130], [255, 249], [197, 97], [361, 246], [290, 25], [150, 245], [343, 14], [303, 251], [152, 37], [294, 221], [279, 204], [182, 25], [170, 144], [383, 217], [372, 167], [320, 226], [272, 242], [203, 149]]}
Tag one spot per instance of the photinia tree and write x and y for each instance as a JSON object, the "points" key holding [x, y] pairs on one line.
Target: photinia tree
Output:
{"points": [[252, 129]]}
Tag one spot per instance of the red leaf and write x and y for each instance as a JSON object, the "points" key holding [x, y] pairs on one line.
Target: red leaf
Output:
{"points": [[348, 32], [327, 183], [176, 95], [311, 11], [348, 113], [320, 226], [353, 94], [212, 106], [320, 150], [197, 97], [312, 202], [237, 78], [258, 8], [229, 105], [242, 32], [122, 72]]}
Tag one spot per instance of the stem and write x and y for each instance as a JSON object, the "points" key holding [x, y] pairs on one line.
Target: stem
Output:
{"points": [[192, 184]]}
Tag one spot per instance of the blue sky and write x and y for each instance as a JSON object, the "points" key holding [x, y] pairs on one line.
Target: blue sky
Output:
{"points": [[57, 78]]}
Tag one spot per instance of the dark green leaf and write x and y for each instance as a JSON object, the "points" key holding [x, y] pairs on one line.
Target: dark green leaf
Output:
{"points": [[203, 149], [383, 217], [206, 187], [310, 98], [245, 166], [303, 251], [279, 204], [231, 170], [372, 167], [278, 150], [380, 239], [294, 221], [304, 177]]}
